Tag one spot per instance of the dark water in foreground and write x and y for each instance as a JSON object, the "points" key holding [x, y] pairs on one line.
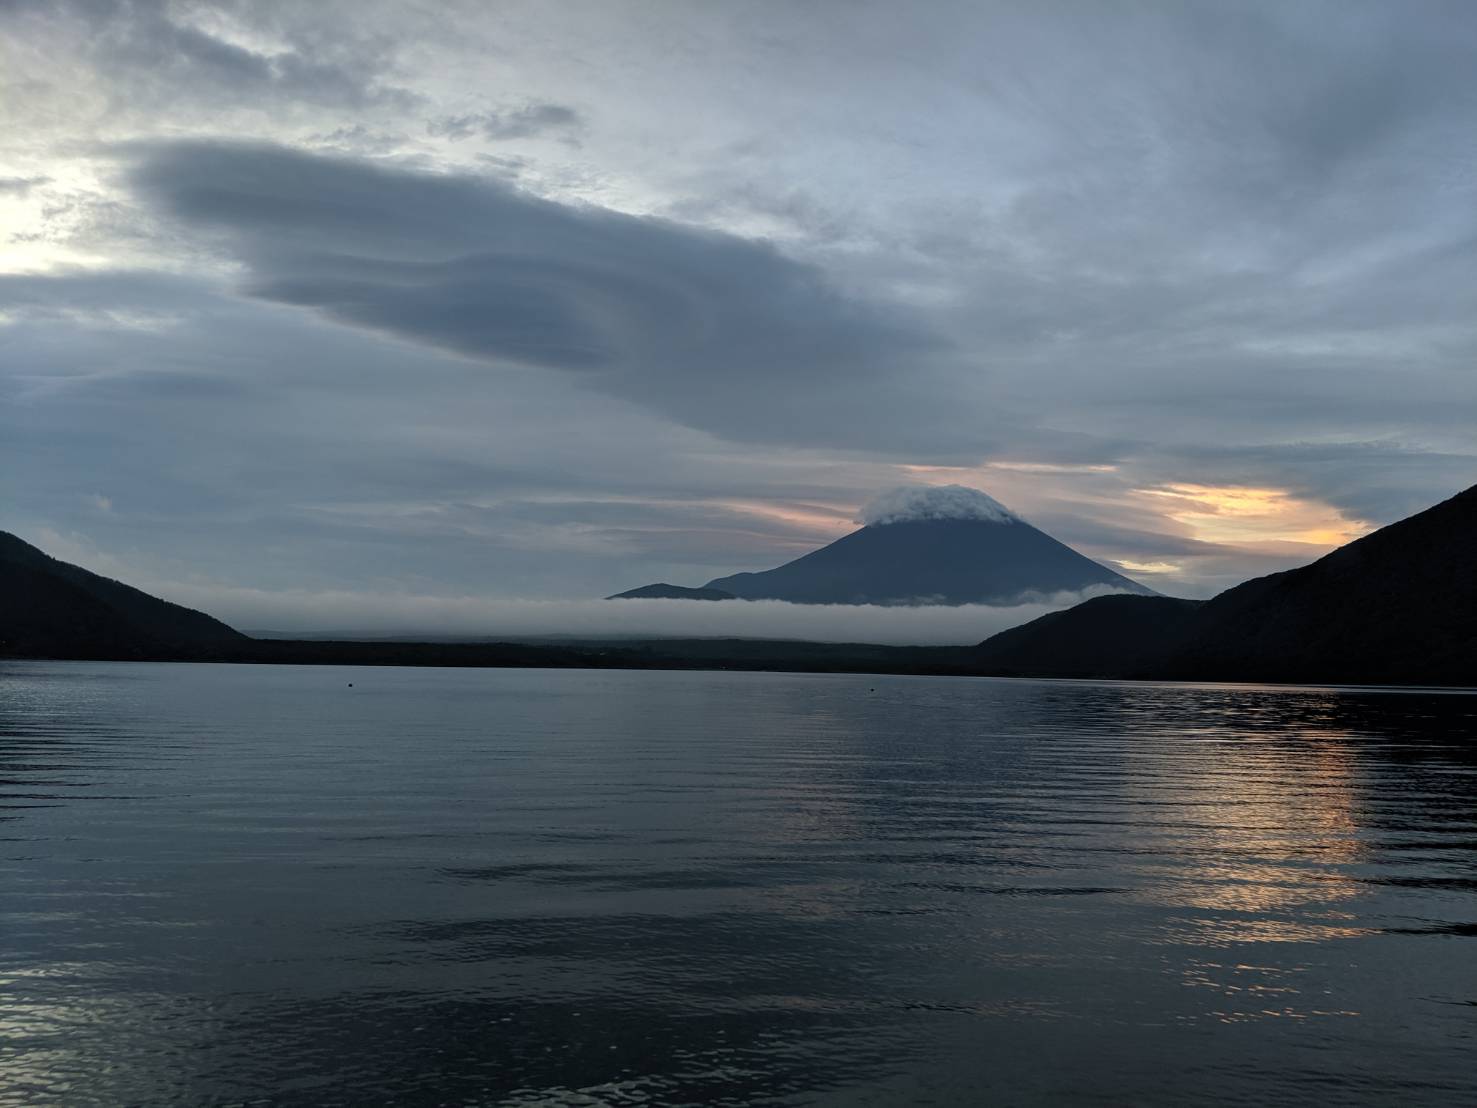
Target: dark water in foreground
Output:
{"points": [[255, 884]]}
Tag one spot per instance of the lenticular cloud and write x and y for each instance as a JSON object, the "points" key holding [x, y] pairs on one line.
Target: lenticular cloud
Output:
{"points": [[917, 502]]}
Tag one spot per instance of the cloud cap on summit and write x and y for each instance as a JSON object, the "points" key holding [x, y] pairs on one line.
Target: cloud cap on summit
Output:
{"points": [[910, 503]]}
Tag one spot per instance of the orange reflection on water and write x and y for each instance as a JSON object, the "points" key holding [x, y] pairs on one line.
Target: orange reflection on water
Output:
{"points": [[1266, 840], [1261, 854]]}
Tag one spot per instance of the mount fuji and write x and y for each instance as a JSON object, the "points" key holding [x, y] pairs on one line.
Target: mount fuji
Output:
{"points": [[944, 544]]}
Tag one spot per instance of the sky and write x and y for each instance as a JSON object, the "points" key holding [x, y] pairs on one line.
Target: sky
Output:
{"points": [[356, 312]]}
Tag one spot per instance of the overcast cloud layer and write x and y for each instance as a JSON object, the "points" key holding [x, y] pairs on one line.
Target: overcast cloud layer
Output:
{"points": [[548, 301]]}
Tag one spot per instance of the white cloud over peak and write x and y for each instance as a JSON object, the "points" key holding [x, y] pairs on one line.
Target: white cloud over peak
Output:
{"points": [[909, 503]]}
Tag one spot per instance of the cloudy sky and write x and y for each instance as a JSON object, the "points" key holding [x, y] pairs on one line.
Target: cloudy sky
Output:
{"points": [[415, 302]]}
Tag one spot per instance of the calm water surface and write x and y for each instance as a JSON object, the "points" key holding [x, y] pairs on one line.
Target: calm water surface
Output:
{"points": [[258, 885]]}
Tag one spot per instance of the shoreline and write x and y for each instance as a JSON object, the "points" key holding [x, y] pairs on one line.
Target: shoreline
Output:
{"points": [[697, 655]]}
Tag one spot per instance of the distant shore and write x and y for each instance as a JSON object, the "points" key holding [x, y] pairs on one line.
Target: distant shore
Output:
{"points": [[672, 654], [745, 655]]}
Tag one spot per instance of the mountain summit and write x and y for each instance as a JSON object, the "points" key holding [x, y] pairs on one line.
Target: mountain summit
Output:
{"points": [[937, 545]]}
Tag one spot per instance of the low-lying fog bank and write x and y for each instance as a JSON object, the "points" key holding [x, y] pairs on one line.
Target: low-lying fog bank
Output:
{"points": [[365, 614]]}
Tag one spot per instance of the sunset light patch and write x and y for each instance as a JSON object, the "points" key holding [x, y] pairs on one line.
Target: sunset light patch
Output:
{"points": [[1241, 514], [822, 519], [1148, 567]]}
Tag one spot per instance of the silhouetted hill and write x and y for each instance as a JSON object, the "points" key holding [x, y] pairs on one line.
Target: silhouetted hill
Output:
{"points": [[664, 591], [49, 608], [1398, 606], [1108, 636], [931, 561]]}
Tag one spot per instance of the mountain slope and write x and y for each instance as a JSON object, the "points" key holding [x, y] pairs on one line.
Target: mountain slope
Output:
{"points": [[49, 608], [1398, 606], [664, 591], [932, 561], [1108, 636]]}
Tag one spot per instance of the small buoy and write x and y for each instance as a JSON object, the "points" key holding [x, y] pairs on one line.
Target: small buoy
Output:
{"points": [[351, 684]]}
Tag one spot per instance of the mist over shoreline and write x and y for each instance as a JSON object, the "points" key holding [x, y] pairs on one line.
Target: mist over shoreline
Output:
{"points": [[410, 616]]}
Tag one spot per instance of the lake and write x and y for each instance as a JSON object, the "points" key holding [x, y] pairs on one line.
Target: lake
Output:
{"points": [[323, 886]]}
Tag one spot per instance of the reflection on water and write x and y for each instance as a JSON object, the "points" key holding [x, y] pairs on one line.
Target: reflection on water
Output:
{"points": [[257, 884]]}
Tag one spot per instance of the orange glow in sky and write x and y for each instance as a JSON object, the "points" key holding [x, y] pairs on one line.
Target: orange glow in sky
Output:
{"points": [[1129, 566], [1241, 515], [827, 519]]}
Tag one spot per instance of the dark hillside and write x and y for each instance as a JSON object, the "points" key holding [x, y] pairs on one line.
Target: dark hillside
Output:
{"points": [[1397, 606], [1108, 636], [49, 608]]}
